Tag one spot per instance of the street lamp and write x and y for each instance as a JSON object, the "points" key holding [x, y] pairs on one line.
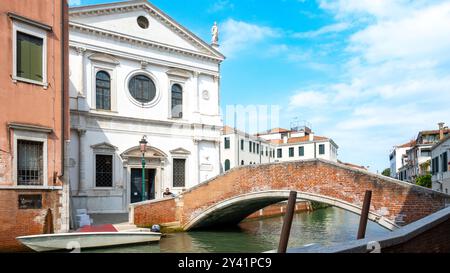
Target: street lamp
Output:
{"points": [[143, 146]]}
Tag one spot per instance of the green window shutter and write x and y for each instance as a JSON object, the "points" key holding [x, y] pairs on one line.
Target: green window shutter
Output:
{"points": [[29, 57], [36, 60], [23, 56]]}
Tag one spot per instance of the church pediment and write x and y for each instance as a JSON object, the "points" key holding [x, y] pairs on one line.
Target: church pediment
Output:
{"points": [[151, 152], [180, 73], [104, 58], [142, 21], [180, 151], [104, 146]]}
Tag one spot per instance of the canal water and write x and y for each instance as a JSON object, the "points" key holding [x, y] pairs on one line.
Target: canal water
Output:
{"points": [[324, 226]]}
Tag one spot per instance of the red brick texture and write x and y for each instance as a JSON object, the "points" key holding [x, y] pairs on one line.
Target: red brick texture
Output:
{"points": [[16, 222], [163, 212], [393, 199], [279, 209], [434, 240]]}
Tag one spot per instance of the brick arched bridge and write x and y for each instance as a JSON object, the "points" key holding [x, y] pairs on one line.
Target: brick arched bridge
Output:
{"points": [[232, 196]]}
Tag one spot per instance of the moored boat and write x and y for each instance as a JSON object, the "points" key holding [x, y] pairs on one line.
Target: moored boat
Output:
{"points": [[87, 238]]}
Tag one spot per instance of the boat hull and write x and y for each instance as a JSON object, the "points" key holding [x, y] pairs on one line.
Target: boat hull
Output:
{"points": [[74, 241]]}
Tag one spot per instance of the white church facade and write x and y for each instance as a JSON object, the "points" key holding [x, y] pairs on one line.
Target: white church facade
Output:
{"points": [[135, 72]]}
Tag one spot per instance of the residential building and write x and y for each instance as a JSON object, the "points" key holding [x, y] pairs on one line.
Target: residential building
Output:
{"points": [[418, 157], [440, 165], [398, 157], [136, 72], [300, 143], [34, 119], [239, 148], [275, 145]]}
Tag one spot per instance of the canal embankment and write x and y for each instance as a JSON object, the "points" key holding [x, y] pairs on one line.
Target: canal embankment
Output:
{"points": [[427, 235], [279, 209]]}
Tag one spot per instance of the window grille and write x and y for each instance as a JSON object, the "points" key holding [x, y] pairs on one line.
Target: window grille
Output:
{"points": [[30, 163], [179, 173], [103, 171]]}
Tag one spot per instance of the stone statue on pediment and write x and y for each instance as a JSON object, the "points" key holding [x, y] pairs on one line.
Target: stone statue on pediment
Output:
{"points": [[215, 34]]}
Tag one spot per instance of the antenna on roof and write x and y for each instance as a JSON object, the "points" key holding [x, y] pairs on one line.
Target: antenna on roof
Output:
{"points": [[297, 124]]}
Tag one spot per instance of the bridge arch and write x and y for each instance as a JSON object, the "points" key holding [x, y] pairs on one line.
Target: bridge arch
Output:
{"points": [[246, 189], [236, 209]]}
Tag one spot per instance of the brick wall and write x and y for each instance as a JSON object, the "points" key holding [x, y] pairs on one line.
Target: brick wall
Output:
{"points": [[434, 240], [397, 201], [163, 211], [16, 222], [279, 209]]}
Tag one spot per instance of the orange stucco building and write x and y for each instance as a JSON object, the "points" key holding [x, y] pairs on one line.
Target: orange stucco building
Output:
{"points": [[34, 119]]}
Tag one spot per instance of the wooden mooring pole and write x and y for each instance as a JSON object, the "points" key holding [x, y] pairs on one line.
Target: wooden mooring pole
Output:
{"points": [[364, 215], [287, 223]]}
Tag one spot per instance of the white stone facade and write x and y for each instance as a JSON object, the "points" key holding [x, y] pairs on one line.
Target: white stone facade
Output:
{"points": [[110, 38], [440, 156], [239, 148], [397, 159]]}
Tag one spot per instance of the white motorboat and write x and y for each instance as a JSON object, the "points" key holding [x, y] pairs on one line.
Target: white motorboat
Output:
{"points": [[88, 239]]}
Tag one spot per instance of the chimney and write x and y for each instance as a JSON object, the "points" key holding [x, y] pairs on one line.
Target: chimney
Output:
{"points": [[441, 130], [285, 139], [311, 136]]}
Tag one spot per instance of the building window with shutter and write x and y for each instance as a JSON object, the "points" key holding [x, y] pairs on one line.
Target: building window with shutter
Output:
{"points": [[29, 53], [444, 162], [242, 144], [29, 57], [301, 151], [227, 165], [321, 149], [30, 163], [279, 153], [291, 152], [227, 143], [103, 171], [179, 171]]}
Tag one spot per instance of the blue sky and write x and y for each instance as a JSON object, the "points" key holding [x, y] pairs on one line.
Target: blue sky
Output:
{"points": [[369, 74]]}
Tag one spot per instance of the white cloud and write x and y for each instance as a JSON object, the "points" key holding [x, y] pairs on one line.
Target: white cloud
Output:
{"points": [[422, 34], [379, 9], [334, 28], [308, 99], [74, 2], [220, 5], [239, 35], [395, 82]]}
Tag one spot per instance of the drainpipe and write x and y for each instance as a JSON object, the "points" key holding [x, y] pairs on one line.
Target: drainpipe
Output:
{"points": [[64, 134]]}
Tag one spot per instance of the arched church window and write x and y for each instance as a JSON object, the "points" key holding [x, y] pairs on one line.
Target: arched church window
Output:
{"points": [[177, 101], [103, 90]]}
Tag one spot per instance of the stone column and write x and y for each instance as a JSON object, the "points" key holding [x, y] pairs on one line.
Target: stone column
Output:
{"points": [[80, 88], [196, 154], [81, 162], [197, 96]]}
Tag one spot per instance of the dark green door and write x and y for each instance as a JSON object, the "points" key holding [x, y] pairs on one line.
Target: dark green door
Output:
{"points": [[136, 184]]}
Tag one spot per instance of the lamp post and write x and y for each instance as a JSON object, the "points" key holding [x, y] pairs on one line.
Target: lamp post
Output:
{"points": [[143, 145]]}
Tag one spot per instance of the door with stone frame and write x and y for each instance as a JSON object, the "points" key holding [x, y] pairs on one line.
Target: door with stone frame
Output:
{"points": [[136, 184]]}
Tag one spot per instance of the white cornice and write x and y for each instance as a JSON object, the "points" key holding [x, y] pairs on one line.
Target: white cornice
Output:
{"points": [[142, 42], [135, 57], [153, 11]]}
